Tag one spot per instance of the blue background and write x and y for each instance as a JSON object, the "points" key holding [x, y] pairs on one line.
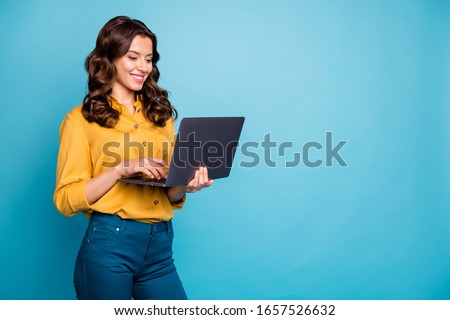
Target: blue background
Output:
{"points": [[374, 73]]}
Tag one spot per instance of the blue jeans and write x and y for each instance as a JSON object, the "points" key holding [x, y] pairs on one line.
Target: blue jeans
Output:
{"points": [[123, 259]]}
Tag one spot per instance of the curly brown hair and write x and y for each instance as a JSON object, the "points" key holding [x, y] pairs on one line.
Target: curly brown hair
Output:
{"points": [[113, 42]]}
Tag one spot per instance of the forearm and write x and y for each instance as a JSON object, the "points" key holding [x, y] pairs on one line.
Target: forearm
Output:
{"points": [[99, 185], [176, 193]]}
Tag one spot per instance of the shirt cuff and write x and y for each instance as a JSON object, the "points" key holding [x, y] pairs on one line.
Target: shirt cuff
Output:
{"points": [[77, 198]]}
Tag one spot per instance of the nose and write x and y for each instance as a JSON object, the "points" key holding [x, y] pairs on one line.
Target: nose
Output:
{"points": [[143, 66]]}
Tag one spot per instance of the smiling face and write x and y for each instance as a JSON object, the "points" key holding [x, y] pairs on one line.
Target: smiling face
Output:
{"points": [[133, 68]]}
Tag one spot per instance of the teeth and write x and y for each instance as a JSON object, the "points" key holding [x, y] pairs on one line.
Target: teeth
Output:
{"points": [[139, 78]]}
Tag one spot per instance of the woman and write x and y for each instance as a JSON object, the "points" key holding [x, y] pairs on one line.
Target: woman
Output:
{"points": [[124, 127]]}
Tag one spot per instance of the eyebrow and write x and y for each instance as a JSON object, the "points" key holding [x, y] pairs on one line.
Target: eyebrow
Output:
{"points": [[150, 54]]}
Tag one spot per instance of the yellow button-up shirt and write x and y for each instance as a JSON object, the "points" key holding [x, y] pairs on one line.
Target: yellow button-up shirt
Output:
{"points": [[87, 149]]}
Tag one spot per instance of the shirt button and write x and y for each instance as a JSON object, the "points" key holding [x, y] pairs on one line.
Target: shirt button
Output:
{"points": [[144, 143], [156, 202], [136, 126]]}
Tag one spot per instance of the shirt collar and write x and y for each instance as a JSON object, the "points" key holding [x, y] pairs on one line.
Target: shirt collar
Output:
{"points": [[118, 106]]}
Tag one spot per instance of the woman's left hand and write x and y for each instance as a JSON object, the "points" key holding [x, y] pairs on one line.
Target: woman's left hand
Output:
{"points": [[200, 181]]}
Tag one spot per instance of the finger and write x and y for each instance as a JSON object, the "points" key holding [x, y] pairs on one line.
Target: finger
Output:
{"points": [[205, 185], [155, 172], [207, 182], [161, 171], [206, 174], [195, 180], [148, 173], [201, 176], [159, 162], [145, 164]]}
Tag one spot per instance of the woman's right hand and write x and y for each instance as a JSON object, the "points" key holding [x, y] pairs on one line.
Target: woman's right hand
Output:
{"points": [[155, 168], [97, 186]]}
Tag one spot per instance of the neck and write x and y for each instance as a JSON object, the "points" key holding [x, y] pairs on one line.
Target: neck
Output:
{"points": [[125, 97]]}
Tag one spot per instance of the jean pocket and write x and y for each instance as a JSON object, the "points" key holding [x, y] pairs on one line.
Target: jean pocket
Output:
{"points": [[100, 232]]}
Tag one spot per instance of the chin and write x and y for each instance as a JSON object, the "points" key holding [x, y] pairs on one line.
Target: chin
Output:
{"points": [[136, 87]]}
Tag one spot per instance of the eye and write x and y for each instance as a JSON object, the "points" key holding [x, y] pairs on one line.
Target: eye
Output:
{"points": [[132, 58], [149, 60]]}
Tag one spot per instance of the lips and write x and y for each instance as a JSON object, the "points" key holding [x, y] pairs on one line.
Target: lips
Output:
{"points": [[138, 78]]}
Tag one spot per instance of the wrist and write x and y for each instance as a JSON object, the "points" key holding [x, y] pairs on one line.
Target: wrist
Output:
{"points": [[118, 171]]}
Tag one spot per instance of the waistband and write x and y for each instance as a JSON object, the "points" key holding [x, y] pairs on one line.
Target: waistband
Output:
{"points": [[141, 227]]}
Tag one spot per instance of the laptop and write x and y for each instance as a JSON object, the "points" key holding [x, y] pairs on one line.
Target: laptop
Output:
{"points": [[204, 141]]}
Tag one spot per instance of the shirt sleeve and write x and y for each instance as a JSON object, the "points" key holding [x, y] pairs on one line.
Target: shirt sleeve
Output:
{"points": [[74, 168]]}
